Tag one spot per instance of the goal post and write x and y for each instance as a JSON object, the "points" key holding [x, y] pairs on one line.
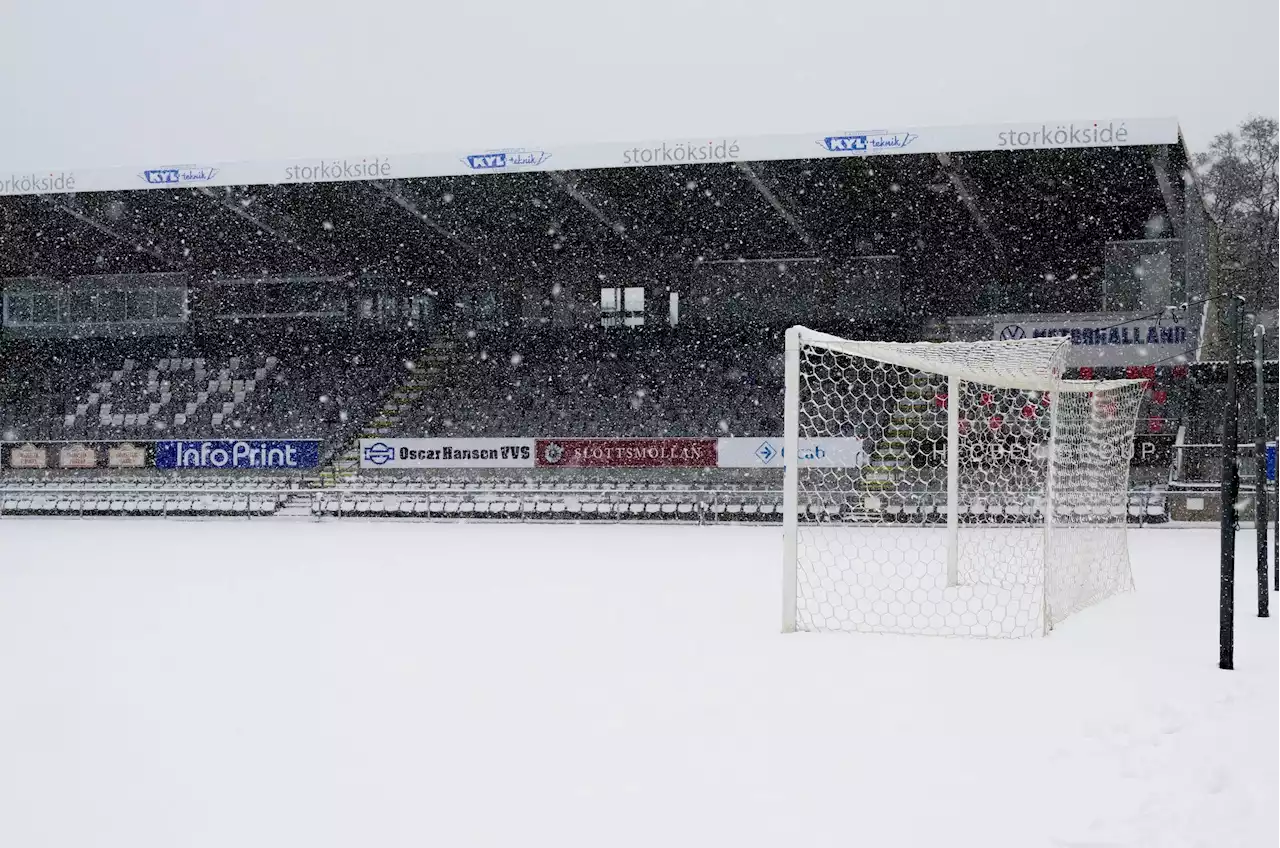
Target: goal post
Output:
{"points": [[988, 496], [953, 482], [790, 476]]}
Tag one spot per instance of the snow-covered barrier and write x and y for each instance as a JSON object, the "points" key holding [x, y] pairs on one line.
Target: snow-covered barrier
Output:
{"points": [[489, 500], [604, 502], [152, 501]]}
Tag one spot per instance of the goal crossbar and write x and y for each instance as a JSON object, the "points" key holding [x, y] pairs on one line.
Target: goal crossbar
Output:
{"points": [[990, 497]]}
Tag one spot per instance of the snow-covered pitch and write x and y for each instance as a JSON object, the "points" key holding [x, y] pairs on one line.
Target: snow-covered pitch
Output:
{"points": [[286, 683]]}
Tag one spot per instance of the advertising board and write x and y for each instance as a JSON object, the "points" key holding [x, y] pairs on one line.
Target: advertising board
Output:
{"points": [[258, 454], [840, 141], [627, 453], [768, 453], [76, 455], [1098, 339], [393, 454]]}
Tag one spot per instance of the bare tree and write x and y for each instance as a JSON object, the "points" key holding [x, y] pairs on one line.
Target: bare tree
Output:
{"points": [[1239, 181]]}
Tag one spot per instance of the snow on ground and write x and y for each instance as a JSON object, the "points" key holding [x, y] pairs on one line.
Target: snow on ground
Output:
{"points": [[287, 683]]}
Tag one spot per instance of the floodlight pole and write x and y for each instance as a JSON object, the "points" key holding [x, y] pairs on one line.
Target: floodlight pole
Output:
{"points": [[1260, 470], [1230, 490]]}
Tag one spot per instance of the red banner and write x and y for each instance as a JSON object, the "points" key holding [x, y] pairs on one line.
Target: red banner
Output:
{"points": [[627, 453]]}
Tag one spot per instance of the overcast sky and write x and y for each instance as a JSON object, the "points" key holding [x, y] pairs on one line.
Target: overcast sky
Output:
{"points": [[138, 82]]}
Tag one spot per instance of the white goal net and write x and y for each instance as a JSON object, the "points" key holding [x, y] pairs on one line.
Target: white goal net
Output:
{"points": [[988, 497]]}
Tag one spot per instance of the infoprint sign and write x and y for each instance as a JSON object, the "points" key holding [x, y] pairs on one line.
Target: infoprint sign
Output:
{"points": [[248, 453]]}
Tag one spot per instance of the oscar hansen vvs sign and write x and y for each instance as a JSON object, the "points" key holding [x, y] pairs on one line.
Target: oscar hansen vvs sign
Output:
{"points": [[446, 453]]}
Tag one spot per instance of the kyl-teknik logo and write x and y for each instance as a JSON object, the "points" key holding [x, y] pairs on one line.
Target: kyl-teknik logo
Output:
{"points": [[497, 160], [182, 175], [868, 142]]}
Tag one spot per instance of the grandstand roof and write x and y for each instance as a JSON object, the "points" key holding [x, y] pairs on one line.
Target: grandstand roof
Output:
{"points": [[962, 207]]}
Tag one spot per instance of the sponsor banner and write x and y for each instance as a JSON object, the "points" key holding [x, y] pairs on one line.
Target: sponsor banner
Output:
{"points": [[1097, 338], [240, 453], [510, 159], [879, 141], [683, 152], [37, 182], [336, 170], [763, 452], [178, 175], [392, 454], [833, 142], [76, 455], [26, 455], [627, 453], [814, 453]]}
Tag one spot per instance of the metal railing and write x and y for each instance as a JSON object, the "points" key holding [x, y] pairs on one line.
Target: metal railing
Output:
{"points": [[686, 505], [141, 501]]}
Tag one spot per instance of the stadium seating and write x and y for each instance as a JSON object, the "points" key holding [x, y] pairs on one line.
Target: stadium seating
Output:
{"points": [[564, 386], [654, 390], [153, 393]]}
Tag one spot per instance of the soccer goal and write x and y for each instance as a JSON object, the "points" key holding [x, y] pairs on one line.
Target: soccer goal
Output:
{"points": [[988, 497]]}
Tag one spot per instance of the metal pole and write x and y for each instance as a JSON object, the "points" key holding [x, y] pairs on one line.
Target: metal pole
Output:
{"points": [[1260, 470], [1230, 487], [790, 478], [953, 481]]}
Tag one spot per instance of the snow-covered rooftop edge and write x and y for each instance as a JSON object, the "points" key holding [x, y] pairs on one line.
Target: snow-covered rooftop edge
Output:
{"points": [[1118, 132]]}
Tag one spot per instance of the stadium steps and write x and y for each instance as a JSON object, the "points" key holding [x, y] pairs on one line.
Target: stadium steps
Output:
{"points": [[418, 382], [296, 505], [344, 467]]}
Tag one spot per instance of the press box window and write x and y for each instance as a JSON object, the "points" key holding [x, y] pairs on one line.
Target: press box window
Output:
{"points": [[44, 308], [170, 303], [17, 308], [622, 307]]}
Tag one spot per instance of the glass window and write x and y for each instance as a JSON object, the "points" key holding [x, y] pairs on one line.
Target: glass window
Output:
{"points": [[111, 305], [610, 306], [18, 308], [140, 305], [622, 306], [170, 303], [44, 308], [80, 307], [420, 308], [633, 305]]}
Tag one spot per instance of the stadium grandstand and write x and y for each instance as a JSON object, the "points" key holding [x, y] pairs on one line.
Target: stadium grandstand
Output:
{"points": [[519, 298]]}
